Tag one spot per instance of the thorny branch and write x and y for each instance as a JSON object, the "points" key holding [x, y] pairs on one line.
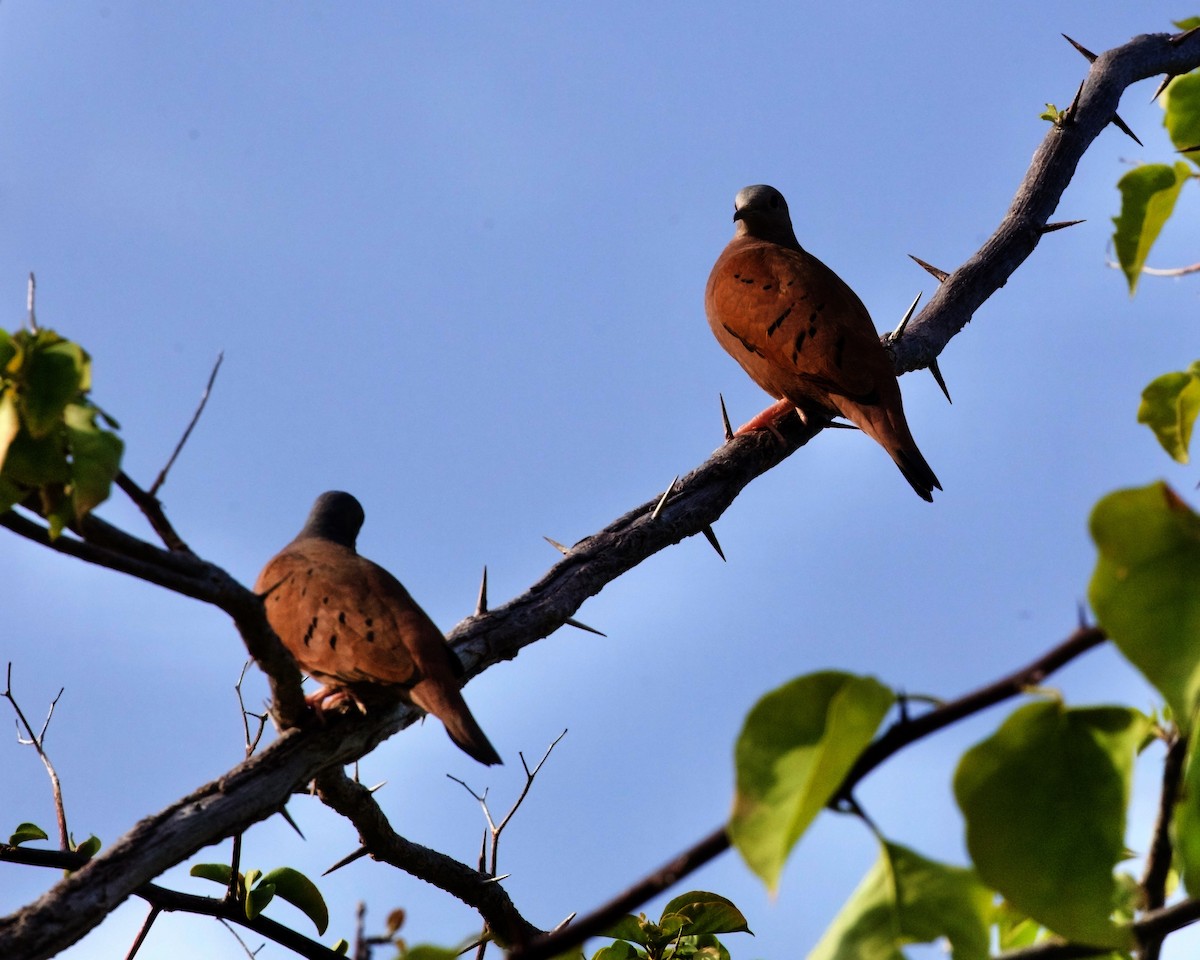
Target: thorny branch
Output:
{"points": [[260, 785]]}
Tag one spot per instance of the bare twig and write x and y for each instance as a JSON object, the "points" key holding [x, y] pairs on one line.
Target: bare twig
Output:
{"points": [[143, 931], [1160, 271], [162, 474], [30, 302], [38, 742], [354, 802], [152, 510]]}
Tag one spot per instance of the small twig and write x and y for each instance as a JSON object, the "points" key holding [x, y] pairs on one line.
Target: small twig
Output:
{"points": [[1158, 860], [30, 298], [152, 510], [242, 943], [1160, 271], [252, 740], [38, 742], [162, 474], [141, 935]]}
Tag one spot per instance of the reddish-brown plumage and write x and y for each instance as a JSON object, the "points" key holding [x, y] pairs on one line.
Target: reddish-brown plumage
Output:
{"points": [[803, 335], [351, 625]]}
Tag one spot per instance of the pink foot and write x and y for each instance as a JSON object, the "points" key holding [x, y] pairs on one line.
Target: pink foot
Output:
{"points": [[768, 419]]}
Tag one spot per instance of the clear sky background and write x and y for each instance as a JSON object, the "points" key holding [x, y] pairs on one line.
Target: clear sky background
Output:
{"points": [[455, 257]]}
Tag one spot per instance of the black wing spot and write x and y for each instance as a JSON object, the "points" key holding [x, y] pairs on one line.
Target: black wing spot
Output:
{"points": [[767, 286], [370, 622], [778, 320], [837, 351], [742, 340], [332, 641], [342, 617], [308, 634], [797, 345], [370, 636], [746, 279]]}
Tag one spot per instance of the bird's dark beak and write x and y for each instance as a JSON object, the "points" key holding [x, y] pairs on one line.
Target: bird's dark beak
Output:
{"points": [[738, 214]]}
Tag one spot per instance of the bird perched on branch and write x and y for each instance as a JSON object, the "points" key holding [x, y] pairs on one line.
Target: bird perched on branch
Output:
{"points": [[351, 625], [803, 335]]}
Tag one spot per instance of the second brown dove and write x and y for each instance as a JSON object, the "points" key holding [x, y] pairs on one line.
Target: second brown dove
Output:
{"points": [[351, 625], [803, 335]]}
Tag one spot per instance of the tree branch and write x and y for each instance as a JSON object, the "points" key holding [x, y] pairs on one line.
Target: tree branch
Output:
{"points": [[162, 898], [1050, 171], [355, 802], [261, 785]]}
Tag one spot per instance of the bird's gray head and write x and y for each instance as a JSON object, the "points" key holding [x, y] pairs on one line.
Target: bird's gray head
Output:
{"points": [[336, 516], [760, 211]]}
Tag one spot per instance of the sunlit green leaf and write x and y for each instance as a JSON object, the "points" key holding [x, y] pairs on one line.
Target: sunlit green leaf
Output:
{"points": [[10, 422], [905, 899], [217, 872], [1182, 118], [796, 746], [620, 950], [1044, 799], [9, 352], [341, 946], [1169, 407], [90, 847], [300, 892], [257, 898], [26, 832], [706, 913], [1148, 195], [1144, 589], [628, 928]]}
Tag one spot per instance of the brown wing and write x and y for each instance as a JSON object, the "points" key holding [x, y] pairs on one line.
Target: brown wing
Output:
{"points": [[339, 621], [802, 333], [795, 326]]}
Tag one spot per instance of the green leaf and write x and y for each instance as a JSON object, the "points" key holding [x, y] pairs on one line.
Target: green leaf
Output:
{"points": [[425, 951], [796, 746], [26, 832], [706, 913], [258, 897], [1051, 113], [616, 951], [9, 351], [1186, 822], [1143, 590], [704, 947], [1169, 407], [95, 458], [1182, 118], [56, 372], [1044, 799], [36, 462], [1014, 930], [10, 422], [629, 928], [904, 899], [90, 847], [300, 892], [217, 872], [1148, 195], [342, 946]]}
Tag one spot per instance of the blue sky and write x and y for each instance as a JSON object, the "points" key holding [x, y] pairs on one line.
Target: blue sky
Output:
{"points": [[455, 258]]}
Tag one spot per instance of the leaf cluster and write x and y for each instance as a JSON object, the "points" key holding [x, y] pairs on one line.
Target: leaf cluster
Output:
{"points": [[52, 444]]}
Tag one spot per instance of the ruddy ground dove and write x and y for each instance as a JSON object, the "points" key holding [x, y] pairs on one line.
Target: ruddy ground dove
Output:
{"points": [[803, 335], [351, 625]]}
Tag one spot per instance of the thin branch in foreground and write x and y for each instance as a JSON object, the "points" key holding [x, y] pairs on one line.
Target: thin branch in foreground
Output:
{"points": [[38, 742], [142, 933], [164, 899], [898, 736], [162, 474]]}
